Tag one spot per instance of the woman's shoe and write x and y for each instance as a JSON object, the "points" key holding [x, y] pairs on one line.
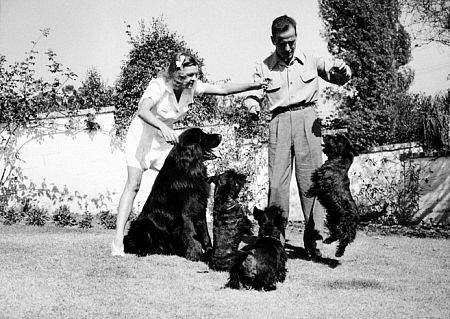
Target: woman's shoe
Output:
{"points": [[116, 251]]}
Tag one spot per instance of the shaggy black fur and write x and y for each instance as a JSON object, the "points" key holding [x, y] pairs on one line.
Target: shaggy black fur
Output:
{"points": [[331, 186], [262, 264], [230, 221], [173, 219]]}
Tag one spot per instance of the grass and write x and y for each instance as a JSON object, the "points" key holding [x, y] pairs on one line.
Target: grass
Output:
{"points": [[48, 272]]}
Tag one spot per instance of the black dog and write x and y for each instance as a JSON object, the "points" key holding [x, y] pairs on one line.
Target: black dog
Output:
{"points": [[173, 219], [262, 264], [331, 186], [230, 221]]}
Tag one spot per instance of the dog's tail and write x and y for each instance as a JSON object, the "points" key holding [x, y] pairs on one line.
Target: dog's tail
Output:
{"points": [[373, 214], [235, 271]]}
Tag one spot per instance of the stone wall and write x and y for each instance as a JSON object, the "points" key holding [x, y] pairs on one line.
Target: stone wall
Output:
{"points": [[89, 169]]}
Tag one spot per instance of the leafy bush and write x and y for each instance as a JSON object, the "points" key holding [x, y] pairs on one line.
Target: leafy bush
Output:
{"points": [[36, 216], [86, 221], [12, 215], [107, 220], [423, 119], [63, 217]]}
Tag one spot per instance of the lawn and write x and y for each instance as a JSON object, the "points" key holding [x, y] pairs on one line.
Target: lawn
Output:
{"points": [[49, 272]]}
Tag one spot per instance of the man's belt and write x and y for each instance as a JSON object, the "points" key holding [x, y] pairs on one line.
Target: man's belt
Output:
{"points": [[292, 107]]}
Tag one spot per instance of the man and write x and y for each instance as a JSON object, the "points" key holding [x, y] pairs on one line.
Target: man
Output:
{"points": [[294, 131]]}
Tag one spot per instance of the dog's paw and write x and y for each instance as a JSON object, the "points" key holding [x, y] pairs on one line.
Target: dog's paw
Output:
{"points": [[194, 252], [207, 254], [329, 240], [340, 250]]}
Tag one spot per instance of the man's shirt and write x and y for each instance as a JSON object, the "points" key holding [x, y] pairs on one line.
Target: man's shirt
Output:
{"points": [[297, 82]]}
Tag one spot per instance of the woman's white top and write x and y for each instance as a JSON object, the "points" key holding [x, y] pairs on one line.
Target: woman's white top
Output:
{"points": [[145, 146]]}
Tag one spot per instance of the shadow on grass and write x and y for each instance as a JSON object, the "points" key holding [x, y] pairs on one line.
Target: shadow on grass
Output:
{"points": [[294, 252]]}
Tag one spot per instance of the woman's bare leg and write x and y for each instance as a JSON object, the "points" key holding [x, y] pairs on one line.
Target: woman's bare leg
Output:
{"points": [[126, 204]]}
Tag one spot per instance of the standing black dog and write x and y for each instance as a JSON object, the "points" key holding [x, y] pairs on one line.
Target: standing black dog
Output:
{"points": [[230, 221], [262, 264], [331, 186], [173, 219]]}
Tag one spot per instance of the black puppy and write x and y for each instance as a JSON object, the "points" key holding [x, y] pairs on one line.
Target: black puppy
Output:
{"points": [[331, 186], [262, 264], [173, 219], [230, 221]]}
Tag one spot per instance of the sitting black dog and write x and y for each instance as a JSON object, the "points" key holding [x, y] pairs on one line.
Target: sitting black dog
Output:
{"points": [[173, 219], [331, 186], [230, 221], [262, 264]]}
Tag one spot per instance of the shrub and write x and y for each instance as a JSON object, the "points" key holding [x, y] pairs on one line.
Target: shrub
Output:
{"points": [[36, 216], [86, 221], [12, 215], [107, 220], [63, 217]]}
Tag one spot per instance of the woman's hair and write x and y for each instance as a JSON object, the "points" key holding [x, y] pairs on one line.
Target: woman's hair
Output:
{"points": [[283, 23], [179, 61]]}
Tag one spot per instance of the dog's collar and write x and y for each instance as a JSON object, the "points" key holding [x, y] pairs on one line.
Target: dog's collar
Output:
{"points": [[230, 203]]}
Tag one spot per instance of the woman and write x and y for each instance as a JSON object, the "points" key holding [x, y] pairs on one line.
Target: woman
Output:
{"points": [[150, 136]]}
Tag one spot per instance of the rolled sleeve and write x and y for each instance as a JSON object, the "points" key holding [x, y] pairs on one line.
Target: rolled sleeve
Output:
{"points": [[254, 97]]}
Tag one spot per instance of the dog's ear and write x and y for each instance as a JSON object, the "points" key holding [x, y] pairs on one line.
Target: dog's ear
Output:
{"points": [[241, 179], [257, 213], [212, 179], [350, 147], [279, 222], [277, 215]]}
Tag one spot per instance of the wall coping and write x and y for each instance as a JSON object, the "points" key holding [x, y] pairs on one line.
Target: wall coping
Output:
{"points": [[80, 113]]}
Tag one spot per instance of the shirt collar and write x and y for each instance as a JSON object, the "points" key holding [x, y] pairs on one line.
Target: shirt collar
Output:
{"points": [[168, 86], [273, 60]]}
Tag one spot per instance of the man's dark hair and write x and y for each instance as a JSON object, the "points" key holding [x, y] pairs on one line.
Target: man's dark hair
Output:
{"points": [[283, 23]]}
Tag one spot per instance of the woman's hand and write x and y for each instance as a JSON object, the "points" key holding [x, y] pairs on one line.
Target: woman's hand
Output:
{"points": [[169, 134]]}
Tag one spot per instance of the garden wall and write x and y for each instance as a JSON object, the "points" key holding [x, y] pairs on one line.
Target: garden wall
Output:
{"points": [[89, 169]]}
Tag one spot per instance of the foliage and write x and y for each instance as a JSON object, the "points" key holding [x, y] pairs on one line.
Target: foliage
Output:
{"points": [[63, 217], [436, 123], [395, 190], [427, 20], [369, 37], [86, 220], [93, 92], [151, 49], [107, 220], [26, 99], [12, 215], [36, 216], [424, 119]]}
